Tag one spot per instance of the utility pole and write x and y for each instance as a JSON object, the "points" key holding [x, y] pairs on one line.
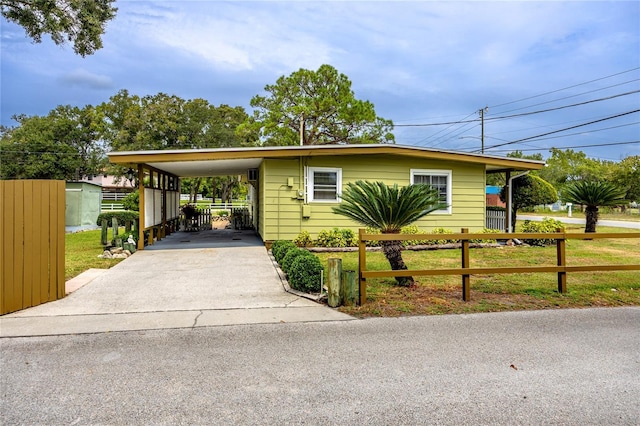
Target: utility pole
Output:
{"points": [[301, 129], [482, 111]]}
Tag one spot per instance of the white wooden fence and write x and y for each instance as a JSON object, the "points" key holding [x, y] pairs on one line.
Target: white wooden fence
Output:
{"points": [[496, 219]]}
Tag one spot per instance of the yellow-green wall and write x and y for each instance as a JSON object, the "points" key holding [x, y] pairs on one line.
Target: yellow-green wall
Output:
{"points": [[280, 214]]}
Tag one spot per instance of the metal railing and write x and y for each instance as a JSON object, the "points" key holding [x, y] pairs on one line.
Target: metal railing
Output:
{"points": [[465, 270]]}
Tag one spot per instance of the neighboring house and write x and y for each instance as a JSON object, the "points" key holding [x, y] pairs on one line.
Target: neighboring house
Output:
{"points": [[293, 188], [113, 188], [493, 196]]}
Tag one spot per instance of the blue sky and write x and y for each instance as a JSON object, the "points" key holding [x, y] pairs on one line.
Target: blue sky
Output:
{"points": [[418, 62]]}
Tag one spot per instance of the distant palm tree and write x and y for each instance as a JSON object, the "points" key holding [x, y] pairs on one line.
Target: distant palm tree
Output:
{"points": [[593, 194], [376, 205]]}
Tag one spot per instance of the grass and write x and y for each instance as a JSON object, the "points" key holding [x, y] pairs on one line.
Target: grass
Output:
{"points": [[504, 292], [81, 253]]}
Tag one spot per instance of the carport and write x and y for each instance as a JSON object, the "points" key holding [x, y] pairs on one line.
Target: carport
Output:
{"points": [[159, 174]]}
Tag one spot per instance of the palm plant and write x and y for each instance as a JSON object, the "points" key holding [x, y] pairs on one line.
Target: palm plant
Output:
{"points": [[376, 205], [593, 194]]}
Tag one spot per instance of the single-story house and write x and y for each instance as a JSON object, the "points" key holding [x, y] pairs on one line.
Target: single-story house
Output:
{"points": [[293, 188]]}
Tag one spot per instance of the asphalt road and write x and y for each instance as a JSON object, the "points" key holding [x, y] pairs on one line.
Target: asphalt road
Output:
{"points": [[542, 367]]}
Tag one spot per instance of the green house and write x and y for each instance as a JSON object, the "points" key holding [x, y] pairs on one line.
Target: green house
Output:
{"points": [[293, 188]]}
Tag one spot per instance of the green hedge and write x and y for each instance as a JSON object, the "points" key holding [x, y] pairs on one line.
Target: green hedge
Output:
{"points": [[280, 248], [305, 274], [122, 216], [292, 255]]}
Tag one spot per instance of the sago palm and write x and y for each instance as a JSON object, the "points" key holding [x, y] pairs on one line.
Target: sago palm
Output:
{"points": [[593, 194], [389, 208]]}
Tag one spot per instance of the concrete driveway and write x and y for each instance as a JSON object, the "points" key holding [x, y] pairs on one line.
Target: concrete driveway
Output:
{"points": [[207, 278]]}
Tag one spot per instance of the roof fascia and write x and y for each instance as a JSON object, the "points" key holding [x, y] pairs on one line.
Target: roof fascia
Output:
{"points": [[138, 157]]}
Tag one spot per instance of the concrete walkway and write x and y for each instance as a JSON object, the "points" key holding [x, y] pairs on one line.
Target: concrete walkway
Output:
{"points": [[207, 278]]}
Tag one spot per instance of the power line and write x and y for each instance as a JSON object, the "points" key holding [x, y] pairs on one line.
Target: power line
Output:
{"points": [[565, 88], [563, 130], [523, 114], [563, 107], [574, 146], [572, 96]]}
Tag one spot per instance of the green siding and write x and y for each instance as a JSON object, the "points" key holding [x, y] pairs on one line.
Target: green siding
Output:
{"points": [[281, 212]]}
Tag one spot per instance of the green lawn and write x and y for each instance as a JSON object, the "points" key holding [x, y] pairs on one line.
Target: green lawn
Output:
{"points": [[81, 253], [490, 293]]}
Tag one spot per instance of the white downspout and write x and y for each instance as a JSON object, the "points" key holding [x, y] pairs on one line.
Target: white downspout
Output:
{"points": [[511, 179]]}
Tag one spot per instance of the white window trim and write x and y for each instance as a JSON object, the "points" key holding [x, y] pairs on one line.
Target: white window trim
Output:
{"points": [[310, 180], [436, 172]]}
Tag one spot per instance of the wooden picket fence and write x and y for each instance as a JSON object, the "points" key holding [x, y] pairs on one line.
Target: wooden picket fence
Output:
{"points": [[561, 267], [32, 217]]}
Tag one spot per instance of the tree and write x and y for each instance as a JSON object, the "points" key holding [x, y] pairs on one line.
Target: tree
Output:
{"points": [[626, 174], [376, 205], [528, 191], [62, 145], [593, 194], [81, 22], [161, 121], [565, 166], [321, 106]]}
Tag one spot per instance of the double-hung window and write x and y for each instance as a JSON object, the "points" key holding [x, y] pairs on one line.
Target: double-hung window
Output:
{"points": [[324, 184], [438, 179]]}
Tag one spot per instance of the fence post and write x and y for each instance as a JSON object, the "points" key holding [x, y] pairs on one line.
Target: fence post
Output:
{"points": [[334, 265], [348, 288], [115, 226], [466, 278], [562, 261], [103, 234], [362, 266]]}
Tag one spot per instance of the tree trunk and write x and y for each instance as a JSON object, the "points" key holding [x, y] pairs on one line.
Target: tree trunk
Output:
{"points": [[591, 214], [393, 251], [195, 187]]}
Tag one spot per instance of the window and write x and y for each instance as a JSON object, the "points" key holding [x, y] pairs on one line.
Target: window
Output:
{"points": [[438, 179], [324, 184]]}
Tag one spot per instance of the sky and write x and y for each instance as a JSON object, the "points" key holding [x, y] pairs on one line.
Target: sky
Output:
{"points": [[421, 64]]}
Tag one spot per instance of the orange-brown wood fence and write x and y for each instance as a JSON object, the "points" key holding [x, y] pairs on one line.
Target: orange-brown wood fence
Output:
{"points": [[32, 216], [561, 267]]}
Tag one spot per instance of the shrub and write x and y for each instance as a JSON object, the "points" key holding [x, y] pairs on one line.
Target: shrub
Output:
{"points": [[132, 201], [303, 239], [331, 238], [223, 213], [547, 226], [291, 255], [349, 237], [305, 273], [374, 243], [486, 231], [279, 249], [412, 229], [122, 216], [441, 231]]}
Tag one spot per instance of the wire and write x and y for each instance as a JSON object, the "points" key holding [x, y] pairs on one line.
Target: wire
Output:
{"points": [[563, 130], [573, 146], [562, 107], [565, 88], [572, 96]]}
